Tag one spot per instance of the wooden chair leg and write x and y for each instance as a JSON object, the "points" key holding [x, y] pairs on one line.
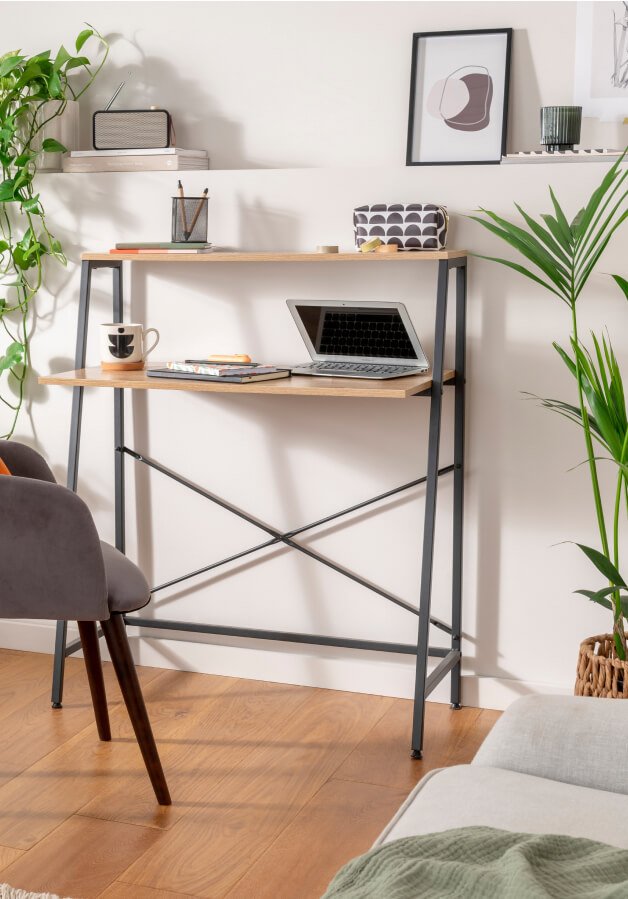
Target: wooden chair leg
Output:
{"points": [[93, 664], [120, 651]]}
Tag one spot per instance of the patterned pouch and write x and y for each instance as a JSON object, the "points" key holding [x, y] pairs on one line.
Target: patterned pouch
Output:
{"points": [[412, 226]]}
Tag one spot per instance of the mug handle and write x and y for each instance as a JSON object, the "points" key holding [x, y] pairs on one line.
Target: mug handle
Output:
{"points": [[150, 350]]}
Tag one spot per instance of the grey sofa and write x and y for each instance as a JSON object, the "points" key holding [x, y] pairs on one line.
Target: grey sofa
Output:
{"points": [[551, 764]]}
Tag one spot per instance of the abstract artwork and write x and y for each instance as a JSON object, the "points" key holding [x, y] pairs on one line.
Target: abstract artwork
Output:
{"points": [[458, 97], [601, 64]]}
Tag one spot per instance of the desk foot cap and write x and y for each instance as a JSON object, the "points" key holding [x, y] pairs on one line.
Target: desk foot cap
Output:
{"points": [[56, 705], [416, 754], [456, 706]]}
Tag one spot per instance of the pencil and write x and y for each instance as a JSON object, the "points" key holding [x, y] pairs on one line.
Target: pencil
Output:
{"points": [[197, 212], [186, 233]]}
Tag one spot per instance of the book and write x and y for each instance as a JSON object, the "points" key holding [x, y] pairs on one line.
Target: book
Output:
{"points": [[160, 251], [125, 163], [230, 379], [163, 245], [153, 151], [222, 370]]}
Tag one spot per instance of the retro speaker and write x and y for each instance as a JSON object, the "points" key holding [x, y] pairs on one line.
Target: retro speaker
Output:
{"points": [[132, 129]]}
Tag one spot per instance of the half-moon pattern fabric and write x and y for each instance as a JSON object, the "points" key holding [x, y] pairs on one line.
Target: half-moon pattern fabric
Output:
{"points": [[412, 226]]}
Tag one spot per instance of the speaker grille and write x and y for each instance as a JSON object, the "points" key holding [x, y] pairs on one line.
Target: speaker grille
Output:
{"points": [[131, 129]]}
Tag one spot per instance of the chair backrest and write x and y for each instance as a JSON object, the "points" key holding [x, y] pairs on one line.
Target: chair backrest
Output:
{"points": [[25, 462], [51, 561]]}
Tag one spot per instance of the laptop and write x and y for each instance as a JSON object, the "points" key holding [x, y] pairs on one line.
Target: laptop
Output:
{"points": [[357, 340]]}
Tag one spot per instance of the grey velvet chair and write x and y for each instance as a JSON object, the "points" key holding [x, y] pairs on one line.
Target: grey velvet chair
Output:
{"points": [[54, 566]]}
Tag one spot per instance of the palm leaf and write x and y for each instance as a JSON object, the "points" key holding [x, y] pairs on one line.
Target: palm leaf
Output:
{"points": [[596, 198], [561, 219], [623, 284], [603, 565], [529, 248], [519, 268], [545, 236]]}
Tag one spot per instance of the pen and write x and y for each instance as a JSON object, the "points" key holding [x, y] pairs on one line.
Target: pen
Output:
{"points": [[186, 233], [197, 212]]}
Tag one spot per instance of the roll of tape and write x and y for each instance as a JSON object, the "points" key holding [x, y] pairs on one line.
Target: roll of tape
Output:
{"points": [[387, 248], [327, 248], [369, 245]]}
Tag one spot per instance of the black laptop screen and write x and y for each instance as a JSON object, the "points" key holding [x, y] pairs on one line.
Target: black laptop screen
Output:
{"points": [[356, 331]]}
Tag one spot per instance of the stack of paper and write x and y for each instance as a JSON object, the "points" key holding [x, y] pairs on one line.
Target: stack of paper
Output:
{"points": [[166, 159]]}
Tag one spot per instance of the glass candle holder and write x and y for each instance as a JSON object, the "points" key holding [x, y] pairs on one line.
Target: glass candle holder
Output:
{"points": [[560, 127]]}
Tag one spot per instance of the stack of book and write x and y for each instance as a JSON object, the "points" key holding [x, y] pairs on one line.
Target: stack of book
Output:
{"points": [[166, 159], [152, 247], [230, 373]]}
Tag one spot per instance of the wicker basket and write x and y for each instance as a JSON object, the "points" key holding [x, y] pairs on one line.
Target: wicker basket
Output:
{"points": [[600, 672]]}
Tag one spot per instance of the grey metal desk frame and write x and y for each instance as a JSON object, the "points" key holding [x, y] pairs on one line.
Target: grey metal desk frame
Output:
{"points": [[450, 657]]}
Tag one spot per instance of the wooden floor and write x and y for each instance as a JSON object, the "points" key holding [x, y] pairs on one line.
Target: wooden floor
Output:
{"points": [[274, 786]]}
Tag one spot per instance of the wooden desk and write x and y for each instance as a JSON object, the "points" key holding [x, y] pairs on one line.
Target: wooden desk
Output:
{"points": [[298, 385], [428, 386]]}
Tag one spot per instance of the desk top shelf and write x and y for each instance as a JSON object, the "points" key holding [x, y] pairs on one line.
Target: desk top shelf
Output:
{"points": [[301, 385], [217, 257]]}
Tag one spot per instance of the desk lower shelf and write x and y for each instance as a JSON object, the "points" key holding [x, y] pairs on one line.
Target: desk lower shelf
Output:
{"points": [[300, 385]]}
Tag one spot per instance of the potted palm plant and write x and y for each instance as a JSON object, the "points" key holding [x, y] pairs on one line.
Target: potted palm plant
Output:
{"points": [[561, 255], [34, 91]]}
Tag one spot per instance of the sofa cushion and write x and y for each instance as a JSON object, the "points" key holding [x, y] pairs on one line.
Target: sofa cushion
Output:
{"points": [[574, 739], [467, 795]]}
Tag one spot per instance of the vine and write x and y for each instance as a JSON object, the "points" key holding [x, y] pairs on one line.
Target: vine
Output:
{"points": [[34, 90]]}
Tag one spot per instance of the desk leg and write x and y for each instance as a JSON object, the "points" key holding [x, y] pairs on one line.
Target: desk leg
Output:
{"points": [[430, 511], [458, 510], [118, 424], [73, 460]]}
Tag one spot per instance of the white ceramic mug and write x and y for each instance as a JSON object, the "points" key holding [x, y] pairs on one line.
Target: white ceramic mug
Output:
{"points": [[123, 346]]}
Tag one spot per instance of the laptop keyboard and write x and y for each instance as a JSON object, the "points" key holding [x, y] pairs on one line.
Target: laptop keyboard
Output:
{"points": [[340, 368]]}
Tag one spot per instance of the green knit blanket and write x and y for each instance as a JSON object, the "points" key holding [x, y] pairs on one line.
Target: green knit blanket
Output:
{"points": [[484, 863]]}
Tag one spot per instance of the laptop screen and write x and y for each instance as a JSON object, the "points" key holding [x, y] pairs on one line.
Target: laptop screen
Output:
{"points": [[356, 331]]}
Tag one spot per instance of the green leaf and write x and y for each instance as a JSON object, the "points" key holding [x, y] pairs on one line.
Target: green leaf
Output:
{"points": [[584, 275], [575, 225], [598, 597], [9, 64], [7, 190], [603, 565], [50, 145], [545, 236], [623, 284], [23, 159], [32, 204], [13, 356], [83, 36], [528, 246], [519, 268], [61, 58], [596, 198], [561, 218], [76, 62], [54, 85]]}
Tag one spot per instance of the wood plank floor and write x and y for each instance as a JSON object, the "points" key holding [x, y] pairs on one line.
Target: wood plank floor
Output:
{"points": [[260, 774]]}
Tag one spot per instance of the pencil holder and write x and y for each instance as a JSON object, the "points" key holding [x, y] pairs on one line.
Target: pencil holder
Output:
{"points": [[189, 219]]}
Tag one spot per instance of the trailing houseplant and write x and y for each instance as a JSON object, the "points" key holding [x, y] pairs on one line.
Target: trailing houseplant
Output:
{"points": [[34, 90], [563, 255]]}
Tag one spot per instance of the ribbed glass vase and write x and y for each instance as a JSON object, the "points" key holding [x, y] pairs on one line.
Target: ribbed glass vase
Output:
{"points": [[560, 127]]}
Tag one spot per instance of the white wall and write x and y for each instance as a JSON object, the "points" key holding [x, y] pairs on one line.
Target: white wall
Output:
{"points": [[303, 108]]}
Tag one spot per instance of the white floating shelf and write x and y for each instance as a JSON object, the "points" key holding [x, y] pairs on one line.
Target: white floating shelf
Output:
{"points": [[541, 156]]}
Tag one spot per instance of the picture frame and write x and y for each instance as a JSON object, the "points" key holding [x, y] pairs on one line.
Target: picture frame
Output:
{"points": [[601, 68], [459, 86]]}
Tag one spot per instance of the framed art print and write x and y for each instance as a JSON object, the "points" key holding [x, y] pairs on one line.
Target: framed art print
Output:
{"points": [[459, 97], [601, 71]]}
